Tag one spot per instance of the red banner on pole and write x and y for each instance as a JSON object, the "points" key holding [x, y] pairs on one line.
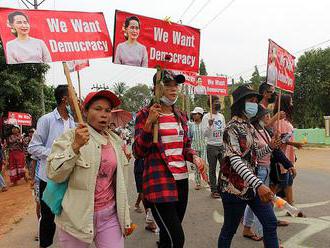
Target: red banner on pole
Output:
{"points": [[280, 67], [41, 36], [15, 118], [77, 65], [206, 85], [148, 42]]}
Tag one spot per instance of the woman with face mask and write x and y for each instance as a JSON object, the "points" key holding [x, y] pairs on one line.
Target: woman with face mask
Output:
{"points": [[263, 138], [24, 49], [165, 174], [238, 184], [131, 52]]}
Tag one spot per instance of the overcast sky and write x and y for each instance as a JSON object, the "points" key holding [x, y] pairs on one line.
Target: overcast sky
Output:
{"points": [[231, 44]]}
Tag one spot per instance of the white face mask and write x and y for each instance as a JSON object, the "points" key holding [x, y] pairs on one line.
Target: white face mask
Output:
{"points": [[167, 101]]}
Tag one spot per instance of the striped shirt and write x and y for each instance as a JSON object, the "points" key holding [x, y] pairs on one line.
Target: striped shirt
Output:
{"points": [[171, 133]]}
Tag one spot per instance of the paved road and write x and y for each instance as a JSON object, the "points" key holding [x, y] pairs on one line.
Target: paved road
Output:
{"points": [[203, 219]]}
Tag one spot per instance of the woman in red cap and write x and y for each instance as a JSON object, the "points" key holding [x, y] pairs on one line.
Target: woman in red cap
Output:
{"points": [[165, 173], [95, 205]]}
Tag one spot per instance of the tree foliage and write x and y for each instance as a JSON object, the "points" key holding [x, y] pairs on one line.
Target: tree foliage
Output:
{"points": [[136, 98], [312, 90]]}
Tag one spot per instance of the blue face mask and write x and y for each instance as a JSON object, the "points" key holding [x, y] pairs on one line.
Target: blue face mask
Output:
{"points": [[251, 109], [68, 109]]}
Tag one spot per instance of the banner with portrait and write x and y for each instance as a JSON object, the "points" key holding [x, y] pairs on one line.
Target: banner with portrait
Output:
{"points": [[43, 36], [280, 67], [148, 42], [207, 85]]}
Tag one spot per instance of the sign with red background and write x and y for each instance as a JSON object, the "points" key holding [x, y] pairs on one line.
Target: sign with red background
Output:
{"points": [[67, 35], [207, 85], [16, 118], [161, 39], [280, 67]]}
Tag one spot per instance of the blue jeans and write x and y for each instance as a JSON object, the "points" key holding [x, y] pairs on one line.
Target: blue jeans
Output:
{"points": [[249, 217], [233, 211]]}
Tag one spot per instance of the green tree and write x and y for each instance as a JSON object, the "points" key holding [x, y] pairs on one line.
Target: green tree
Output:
{"points": [[255, 79], [136, 98], [120, 89], [20, 87], [312, 89], [201, 100]]}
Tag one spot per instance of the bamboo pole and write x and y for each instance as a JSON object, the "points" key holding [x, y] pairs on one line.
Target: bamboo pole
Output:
{"points": [[278, 112], [72, 93], [157, 100], [79, 88], [210, 107]]}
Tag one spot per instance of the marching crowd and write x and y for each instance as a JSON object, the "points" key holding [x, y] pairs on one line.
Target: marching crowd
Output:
{"points": [[79, 170]]}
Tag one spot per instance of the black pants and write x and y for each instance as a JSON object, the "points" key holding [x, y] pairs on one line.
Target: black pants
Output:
{"points": [[47, 225], [169, 217]]}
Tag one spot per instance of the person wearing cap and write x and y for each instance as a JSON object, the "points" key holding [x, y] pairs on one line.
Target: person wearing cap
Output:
{"points": [[49, 127], [238, 184], [213, 126], [95, 204], [16, 156], [165, 174], [197, 140]]}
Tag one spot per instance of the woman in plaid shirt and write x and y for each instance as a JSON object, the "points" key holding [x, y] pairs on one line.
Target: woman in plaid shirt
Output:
{"points": [[165, 174]]}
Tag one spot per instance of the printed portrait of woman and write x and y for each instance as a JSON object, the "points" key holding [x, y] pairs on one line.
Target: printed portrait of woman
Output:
{"points": [[131, 52], [272, 70], [24, 48]]}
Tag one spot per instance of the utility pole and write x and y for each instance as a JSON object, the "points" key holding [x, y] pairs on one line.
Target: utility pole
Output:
{"points": [[42, 95]]}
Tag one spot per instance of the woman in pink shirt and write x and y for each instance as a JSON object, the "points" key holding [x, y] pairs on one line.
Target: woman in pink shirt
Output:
{"points": [[284, 128]]}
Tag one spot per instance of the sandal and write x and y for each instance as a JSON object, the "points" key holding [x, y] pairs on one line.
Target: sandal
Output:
{"points": [[282, 223], [253, 237]]}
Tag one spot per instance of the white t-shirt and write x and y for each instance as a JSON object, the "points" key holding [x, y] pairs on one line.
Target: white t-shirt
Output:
{"points": [[66, 125], [214, 134]]}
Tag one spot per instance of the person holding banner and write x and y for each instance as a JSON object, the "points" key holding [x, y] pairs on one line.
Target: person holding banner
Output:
{"points": [[16, 156], [131, 52], [49, 127], [285, 128], [267, 91], [24, 49], [165, 175], [95, 205], [238, 184], [213, 126]]}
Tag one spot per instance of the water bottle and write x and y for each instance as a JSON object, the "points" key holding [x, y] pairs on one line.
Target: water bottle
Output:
{"points": [[284, 205]]}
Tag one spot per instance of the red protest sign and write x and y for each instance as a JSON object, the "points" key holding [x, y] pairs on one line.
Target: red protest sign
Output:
{"points": [[148, 42], [77, 65], [206, 85], [280, 67], [15, 118], [40, 36]]}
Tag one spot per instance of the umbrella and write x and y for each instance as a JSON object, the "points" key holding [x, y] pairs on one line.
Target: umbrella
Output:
{"points": [[120, 117]]}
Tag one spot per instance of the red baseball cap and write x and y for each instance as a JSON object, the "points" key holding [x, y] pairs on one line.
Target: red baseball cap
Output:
{"points": [[114, 100]]}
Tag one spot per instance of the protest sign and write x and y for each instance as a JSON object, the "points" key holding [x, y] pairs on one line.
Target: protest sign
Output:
{"points": [[148, 42], [280, 67], [207, 85], [42, 36]]}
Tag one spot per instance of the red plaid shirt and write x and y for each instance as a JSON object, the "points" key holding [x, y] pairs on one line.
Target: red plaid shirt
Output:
{"points": [[158, 182]]}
